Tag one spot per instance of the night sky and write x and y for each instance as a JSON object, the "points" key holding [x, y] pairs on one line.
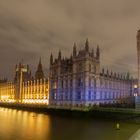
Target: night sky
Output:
{"points": [[33, 28]]}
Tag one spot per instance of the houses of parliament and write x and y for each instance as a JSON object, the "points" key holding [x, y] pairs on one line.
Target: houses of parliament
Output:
{"points": [[75, 81]]}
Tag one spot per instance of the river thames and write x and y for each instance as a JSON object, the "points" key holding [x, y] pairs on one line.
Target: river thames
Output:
{"points": [[24, 125]]}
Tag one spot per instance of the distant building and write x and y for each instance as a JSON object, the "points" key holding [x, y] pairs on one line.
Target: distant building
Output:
{"points": [[79, 81], [24, 70], [7, 92], [137, 87], [25, 88], [138, 56], [75, 81], [3, 80]]}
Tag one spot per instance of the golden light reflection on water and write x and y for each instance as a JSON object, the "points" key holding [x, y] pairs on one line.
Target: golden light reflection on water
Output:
{"points": [[23, 125]]}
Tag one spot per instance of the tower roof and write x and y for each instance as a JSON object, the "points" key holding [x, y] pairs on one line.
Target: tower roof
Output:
{"points": [[138, 33], [87, 45], [39, 73]]}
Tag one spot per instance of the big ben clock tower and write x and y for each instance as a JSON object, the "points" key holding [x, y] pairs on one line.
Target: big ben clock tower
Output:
{"points": [[138, 56]]}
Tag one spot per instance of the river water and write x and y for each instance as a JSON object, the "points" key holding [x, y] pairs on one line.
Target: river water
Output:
{"points": [[24, 125]]}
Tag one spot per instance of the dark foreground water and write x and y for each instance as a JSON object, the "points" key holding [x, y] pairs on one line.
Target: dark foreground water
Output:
{"points": [[23, 125]]}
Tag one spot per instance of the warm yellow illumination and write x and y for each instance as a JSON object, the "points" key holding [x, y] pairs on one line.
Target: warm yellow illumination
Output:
{"points": [[135, 86], [35, 92], [35, 101], [4, 97], [11, 101]]}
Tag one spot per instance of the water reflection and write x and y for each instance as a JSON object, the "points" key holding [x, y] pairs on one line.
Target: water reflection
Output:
{"points": [[23, 125]]}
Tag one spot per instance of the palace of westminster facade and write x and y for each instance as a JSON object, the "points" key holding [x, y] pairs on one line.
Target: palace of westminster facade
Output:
{"points": [[74, 81]]}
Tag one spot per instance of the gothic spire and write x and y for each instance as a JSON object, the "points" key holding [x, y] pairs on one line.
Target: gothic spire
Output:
{"points": [[107, 72], [87, 45], [128, 76], [98, 52], [59, 55], [92, 53], [74, 50], [39, 73], [51, 59], [40, 61], [103, 71]]}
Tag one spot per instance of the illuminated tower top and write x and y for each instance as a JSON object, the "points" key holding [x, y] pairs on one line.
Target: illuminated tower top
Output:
{"points": [[26, 73]]}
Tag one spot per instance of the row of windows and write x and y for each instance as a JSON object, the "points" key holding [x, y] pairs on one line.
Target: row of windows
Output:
{"points": [[103, 83], [34, 90], [92, 68], [92, 83], [107, 83], [33, 97], [69, 83], [112, 95], [90, 96]]}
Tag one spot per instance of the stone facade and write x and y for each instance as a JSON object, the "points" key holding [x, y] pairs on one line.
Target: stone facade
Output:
{"points": [[35, 91], [79, 81], [25, 88], [138, 56], [74, 81], [7, 92]]}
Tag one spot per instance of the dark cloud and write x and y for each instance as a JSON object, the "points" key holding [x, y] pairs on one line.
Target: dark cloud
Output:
{"points": [[33, 28]]}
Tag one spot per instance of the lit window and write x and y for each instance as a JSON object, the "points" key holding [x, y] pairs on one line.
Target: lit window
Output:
{"points": [[89, 95]]}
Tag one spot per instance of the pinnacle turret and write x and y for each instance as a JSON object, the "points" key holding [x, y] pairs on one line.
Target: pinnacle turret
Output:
{"points": [[98, 52], [39, 73], [74, 50], [87, 45]]}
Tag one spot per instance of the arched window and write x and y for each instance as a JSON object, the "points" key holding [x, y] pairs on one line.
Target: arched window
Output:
{"points": [[89, 95], [78, 95]]}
